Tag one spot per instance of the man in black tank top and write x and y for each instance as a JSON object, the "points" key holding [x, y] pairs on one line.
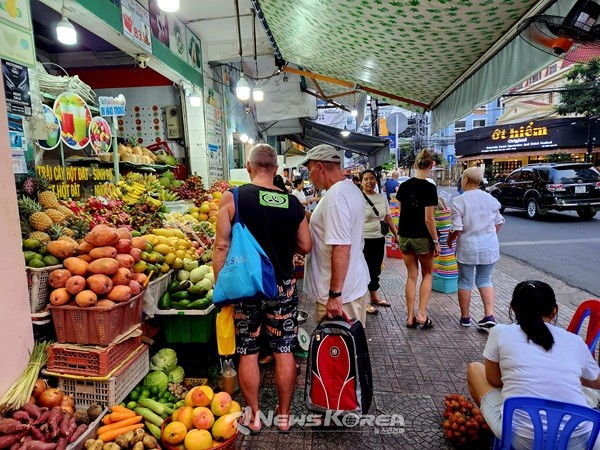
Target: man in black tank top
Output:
{"points": [[276, 219]]}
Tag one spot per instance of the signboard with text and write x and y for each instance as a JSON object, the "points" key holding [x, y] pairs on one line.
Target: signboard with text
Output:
{"points": [[76, 182], [136, 24], [569, 132]]}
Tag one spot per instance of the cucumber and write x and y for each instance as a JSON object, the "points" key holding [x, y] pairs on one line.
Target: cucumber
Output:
{"points": [[180, 295], [165, 301], [153, 429], [149, 415]]}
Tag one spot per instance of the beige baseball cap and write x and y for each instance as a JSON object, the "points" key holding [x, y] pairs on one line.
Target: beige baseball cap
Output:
{"points": [[322, 152]]}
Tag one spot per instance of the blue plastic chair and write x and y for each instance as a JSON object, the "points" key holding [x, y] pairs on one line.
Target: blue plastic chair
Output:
{"points": [[550, 437], [591, 309]]}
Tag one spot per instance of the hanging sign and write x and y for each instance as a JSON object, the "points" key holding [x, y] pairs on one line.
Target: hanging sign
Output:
{"points": [[75, 119], [100, 135], [75, 182], [16, 88], [136, 23], [112, 106], [52, 130]]}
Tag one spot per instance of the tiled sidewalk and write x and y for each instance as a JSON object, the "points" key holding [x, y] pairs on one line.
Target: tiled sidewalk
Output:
{"points": [[413, 369]]}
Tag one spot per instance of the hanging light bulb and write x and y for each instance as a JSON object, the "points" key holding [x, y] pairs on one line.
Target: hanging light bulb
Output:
{"points": [[242, 89], [345, 132], [168, 5], [65, 31], [251, 141], [354, 112], [258, 94], [244, 138], [195, 98]]}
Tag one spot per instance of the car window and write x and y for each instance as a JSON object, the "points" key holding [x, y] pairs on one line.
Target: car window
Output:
{"points": [[544, 174], [575, 175], [526, 175], [513, 176]]}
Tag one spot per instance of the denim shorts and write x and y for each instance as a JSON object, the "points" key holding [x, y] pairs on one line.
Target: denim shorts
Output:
{"points": [[482, 272]]}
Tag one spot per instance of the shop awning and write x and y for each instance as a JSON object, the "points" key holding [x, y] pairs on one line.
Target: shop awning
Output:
{"points": [[376, 149], [513, 155], [448, 56]]}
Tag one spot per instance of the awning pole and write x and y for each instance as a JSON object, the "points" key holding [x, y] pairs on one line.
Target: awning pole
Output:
{"points": [[396, 133]]}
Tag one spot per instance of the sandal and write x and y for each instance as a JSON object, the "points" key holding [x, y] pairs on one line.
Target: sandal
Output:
{"points": [[425, 325], [283, 421], [247, 429], [371, 310], [381, 303], [412, 325]]}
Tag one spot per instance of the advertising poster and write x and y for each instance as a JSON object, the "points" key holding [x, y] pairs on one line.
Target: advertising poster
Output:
{"points": [[16, 12], [194, 50], [18, 143], [214, 138], [75, 118], [136, 24], [16, 88], [159, 23], [17, 44], [177, 37]]}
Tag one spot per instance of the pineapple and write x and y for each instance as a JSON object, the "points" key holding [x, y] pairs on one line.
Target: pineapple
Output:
{"points": [[79, 227], [40, 221], [44, 238], [55, 231], [65, 210], [25, 227], [68, 232], [48, 200], [55, 215], [28, 206]]}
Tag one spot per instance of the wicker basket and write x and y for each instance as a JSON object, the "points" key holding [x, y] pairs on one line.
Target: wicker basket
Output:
{"points": [[39, 292]]}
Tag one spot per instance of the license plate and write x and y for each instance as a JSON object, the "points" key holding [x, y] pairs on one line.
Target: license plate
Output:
{"points": [[580, 189]]}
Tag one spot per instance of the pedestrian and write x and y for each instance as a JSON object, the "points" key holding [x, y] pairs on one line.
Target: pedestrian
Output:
{"points": [[418, 238], [336, 274], [391, 185], [377, 210], [356, 181], [459, 187], [532, 358], [476, 220], [263, 208]]}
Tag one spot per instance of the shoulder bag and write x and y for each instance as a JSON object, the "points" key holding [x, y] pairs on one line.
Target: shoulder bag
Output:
{"points": [[385, 228], [247, 271]]}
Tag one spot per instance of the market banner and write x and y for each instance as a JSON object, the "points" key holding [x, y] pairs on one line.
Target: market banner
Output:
{"points": [[76, 182], [566, 132]]}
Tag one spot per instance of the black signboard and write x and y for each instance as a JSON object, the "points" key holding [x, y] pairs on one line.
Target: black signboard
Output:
{"points": [[16, 88], [568, 132]]}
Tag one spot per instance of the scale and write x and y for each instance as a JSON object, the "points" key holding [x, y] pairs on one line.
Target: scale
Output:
{"points": [[303, 337]]}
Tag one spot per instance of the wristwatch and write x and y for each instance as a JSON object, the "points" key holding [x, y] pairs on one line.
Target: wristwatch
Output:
{"points": [[436, 242], [334, 294]]}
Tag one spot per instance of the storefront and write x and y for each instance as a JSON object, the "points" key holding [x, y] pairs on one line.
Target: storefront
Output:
{"points": [[505, 148]]}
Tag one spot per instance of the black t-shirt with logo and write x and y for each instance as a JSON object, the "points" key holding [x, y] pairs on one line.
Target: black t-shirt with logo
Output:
{"points": [[273, 218], [414, 195]]}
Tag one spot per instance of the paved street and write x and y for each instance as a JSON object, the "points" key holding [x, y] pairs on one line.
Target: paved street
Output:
{"points": [[560, 244]]}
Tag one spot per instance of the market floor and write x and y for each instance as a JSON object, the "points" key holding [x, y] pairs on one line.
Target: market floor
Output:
{"points": [[413, 369]]}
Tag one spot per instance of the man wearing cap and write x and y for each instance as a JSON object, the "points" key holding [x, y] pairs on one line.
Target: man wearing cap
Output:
{"points": [[336, 275]]}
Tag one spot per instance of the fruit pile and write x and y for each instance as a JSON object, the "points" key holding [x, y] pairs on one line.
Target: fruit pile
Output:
{"points": [[191, 189], [206, 419], [464, 425], [103, 272], [193, 288], [165, 249], [136, 154]]}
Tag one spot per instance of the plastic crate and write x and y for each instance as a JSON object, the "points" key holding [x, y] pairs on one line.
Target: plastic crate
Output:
{"points": [[39, 292], [188, 326], [112, 391], [154, 290], [90, 361], [445, 285], [93, 325], [89, 433]]}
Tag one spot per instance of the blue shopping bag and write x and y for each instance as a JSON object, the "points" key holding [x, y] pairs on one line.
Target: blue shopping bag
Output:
{"points": [[247, 271]]}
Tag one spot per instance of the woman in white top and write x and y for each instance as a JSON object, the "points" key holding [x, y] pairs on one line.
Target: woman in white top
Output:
{"points": [[377, 211], [532, 358], [476, 220]]}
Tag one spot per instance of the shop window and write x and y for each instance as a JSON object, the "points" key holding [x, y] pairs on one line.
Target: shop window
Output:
{"points": [[479, 123], [460, 125], [552, 69]]}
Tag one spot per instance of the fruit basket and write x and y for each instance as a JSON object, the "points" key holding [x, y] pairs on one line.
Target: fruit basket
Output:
{"points": [[188, 325], [90, 360], [37, 281], [229, 444], [111, 391], [94, 325], [154, 290]]}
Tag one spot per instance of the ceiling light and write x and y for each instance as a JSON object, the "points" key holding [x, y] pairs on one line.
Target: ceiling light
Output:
{"points": [[258, 95], [195, 98], [354, 112], [345, 132], [242, 89], [168, 5], [251, 141], [65, 31], [244, 138]]}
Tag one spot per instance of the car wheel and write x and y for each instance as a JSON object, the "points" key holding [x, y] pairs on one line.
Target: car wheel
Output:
{"points": [[533, 210], [586, 213]]}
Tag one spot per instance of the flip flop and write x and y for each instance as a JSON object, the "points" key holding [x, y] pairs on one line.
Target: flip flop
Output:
{"points": [[381, 303], [412, 325], [425, 325], [285, 418], [371, 310]]}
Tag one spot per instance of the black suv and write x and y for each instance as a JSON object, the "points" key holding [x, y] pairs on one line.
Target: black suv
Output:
{"points": [[538, 188]]}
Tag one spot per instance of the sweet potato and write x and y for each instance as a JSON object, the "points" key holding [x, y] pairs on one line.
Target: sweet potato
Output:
{"points": [[21, 416], [9, 440], [40, 445], [62, 443], [33, 410], [78, 432], [11, 426]]}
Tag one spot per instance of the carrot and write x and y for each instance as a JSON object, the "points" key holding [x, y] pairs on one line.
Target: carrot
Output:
{"points": [[120, 424], [106, 420], [109, 436], [119, 408], [117, 416]]}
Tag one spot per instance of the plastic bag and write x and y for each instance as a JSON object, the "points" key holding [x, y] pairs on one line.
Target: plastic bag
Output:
{"points": [[225, 331]]}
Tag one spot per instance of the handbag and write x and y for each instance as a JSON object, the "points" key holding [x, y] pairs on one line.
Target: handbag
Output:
{"points": [[385, 227], [247, 271]]}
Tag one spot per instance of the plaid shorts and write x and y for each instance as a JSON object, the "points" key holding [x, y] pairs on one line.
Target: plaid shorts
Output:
{"points": [[278, 315]]}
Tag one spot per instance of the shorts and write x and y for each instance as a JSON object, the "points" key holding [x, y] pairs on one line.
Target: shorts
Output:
{"points": [[483, 275], [278, 315], [492, 405], [356, 309], [419, 246]]}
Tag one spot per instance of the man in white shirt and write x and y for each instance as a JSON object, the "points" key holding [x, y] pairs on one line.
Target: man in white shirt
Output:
{"points": [[336, 275]]}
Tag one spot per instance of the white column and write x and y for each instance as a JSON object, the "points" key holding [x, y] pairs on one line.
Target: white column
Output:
{"points": [[196, 131]]}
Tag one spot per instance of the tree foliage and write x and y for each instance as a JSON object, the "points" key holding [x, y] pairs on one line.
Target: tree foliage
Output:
{"points": [[582, 89], [559, 157]]}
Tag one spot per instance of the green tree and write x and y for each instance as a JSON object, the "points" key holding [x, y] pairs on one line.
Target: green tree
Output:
{"points": [[559, 157], [581, 90]]}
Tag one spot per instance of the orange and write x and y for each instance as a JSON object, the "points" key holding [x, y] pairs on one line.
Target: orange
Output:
{"points": [[174, 433]]}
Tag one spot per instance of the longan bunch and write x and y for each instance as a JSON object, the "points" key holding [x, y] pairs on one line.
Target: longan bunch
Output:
{"points": [[464, 425]]}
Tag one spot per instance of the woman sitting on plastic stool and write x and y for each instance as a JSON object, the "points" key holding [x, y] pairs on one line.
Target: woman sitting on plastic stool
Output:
{"points": [[532, 358]]}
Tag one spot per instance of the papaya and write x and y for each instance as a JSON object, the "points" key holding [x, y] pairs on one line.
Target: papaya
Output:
{"points": [[102, 235], [61, 249], [104, 266]]}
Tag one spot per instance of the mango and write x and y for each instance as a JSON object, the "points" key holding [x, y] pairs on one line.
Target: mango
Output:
{"points": [[164, 249]]}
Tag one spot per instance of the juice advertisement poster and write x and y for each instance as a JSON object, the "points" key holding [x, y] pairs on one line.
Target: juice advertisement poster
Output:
{"points": [[52, 129], [75, 119]]}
